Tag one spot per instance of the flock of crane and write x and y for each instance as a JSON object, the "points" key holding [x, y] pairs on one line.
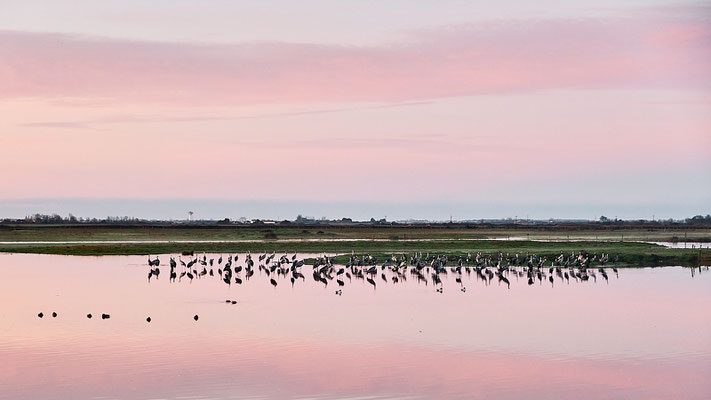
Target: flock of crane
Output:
{"points": [[424, 268]]}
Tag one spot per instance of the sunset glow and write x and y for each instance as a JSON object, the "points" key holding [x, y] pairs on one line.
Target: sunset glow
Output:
{"points": [[503, 105]]}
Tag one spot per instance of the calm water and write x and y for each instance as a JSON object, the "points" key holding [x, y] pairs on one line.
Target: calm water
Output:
{"points": [[645, 334]]}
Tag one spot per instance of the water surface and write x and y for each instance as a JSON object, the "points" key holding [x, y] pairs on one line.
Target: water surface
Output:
{"points": [[643, 334]]}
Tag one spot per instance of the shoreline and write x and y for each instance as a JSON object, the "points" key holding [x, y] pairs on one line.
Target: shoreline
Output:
{"points": [[635, 247], [629, 253]]}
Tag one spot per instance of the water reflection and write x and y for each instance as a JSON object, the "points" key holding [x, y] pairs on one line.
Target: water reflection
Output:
{"points": [[642, 335]]}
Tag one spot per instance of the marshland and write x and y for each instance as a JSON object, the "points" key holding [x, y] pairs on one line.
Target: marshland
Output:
{"points": [[441, 310]]}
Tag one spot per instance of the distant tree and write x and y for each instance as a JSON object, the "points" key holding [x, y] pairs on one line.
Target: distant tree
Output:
{"points": [[604, 219], [698, 219]]}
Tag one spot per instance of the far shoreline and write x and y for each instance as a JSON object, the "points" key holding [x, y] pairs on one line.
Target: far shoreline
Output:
{"points": [[631, 247]]}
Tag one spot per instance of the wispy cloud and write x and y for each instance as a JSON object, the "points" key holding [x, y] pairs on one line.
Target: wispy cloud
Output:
{"points": [[119, 119], [642, 50], [74, 125]]}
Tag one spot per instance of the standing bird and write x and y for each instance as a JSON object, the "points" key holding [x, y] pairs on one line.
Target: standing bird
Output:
{"points": [[503, 279], [153, 263]]}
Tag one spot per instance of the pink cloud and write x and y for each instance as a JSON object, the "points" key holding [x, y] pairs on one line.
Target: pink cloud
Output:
{"points": [[644, 50]]}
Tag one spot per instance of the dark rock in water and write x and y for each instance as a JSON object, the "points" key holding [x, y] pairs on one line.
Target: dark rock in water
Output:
{"points": [[234, 302], [54, 315], [195, 317], [40, 315], [228, 301], [148, 319], [88, 316], [105, 316]]}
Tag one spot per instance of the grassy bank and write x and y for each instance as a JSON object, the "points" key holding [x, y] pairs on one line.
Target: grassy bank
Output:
{"points": [[629, 253], [28, 232], [375, 240]]}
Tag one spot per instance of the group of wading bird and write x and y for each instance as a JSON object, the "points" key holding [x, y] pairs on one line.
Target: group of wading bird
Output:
{"points": [[427, 268], [107, 316]]}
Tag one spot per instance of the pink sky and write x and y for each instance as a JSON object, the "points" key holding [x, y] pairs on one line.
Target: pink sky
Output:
{"points": [[562, 108]]}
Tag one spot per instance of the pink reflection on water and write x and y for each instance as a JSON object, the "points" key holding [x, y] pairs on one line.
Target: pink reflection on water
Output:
{"points": [[635, 337], [302, 368]]}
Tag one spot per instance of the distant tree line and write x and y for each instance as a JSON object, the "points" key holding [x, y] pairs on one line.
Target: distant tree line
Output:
{"points": [[697, 220], [71, 219]]}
